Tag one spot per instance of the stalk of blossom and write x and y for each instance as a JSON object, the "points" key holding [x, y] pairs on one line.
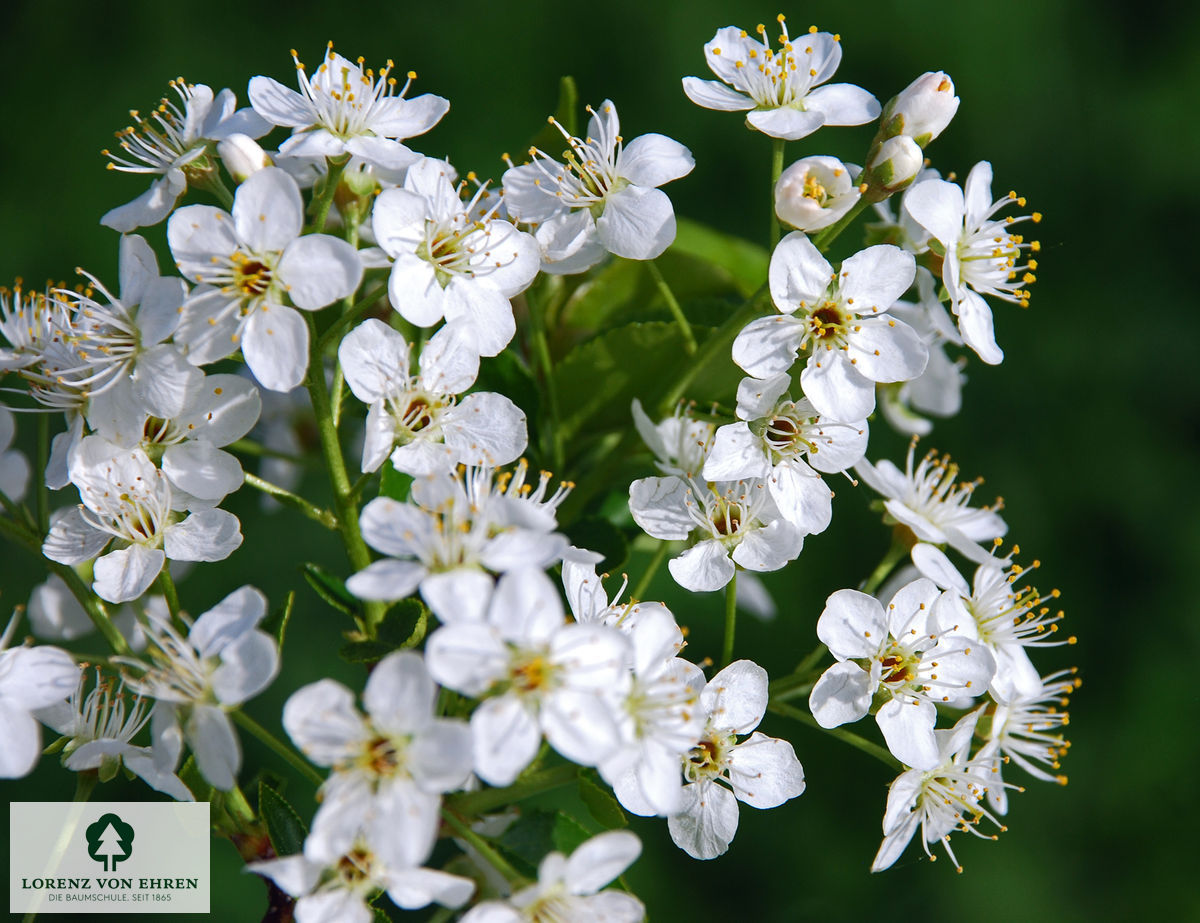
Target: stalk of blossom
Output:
{"points": [[760, 771], [927, 501], [342, 890], [999, 613], [946, 797], [246, 263], [455, 532], [605, 191], [224, 661], [451, 260], [220, 410], [735, 523], [418, 419], [781, 87], [98, 729], [127, 499], [344, 109], [1027, 730], [539, 674], [980, 253], [124, 337], [903, 656], [31, 678], [174, 144], [389, 768], [815, 192], [938, 390], [839, 319], [772, 440], [568, 889]]}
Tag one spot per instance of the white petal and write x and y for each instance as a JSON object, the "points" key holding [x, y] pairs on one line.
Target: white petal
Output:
{"points": [[654, 159], [248, 666], [375, 358], [317, 270], [803, 497], [580, 725], [975, 324], [757, 397], [72, 540], [215, 746], [908, 730], [637, 223], [707, 824], [126, 574], [386, 580], [485, 429], [887, 350], [280, 105], [506, 739], [227, 621], [482, 314], [223, 410], [713, 95], [294, 875], [322, 721], [600, 860], [400, 694], [703, 568], [736, 453], [459, 595], [786, 123], [22, 737], [932, 562], [268, 211], [275, 344], [440, 759], [395, 528], [203, 471], [767, 346], [158, 312], [835, 388], [876, 277], [209, 326], [382, 152], [736, 698], [163, 381], [843, 104], [148, 209], [852, 624], [413, 888], [659, 506], [938, 207], [407, 118], [798, 274], [841, 696], [37, 677], [764, 771], [467, 657], [206, 535], [770, 548]]}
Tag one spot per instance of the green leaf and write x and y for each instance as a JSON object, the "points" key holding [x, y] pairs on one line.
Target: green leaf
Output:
{"points": [[284, 827], [364, 651], [331, 589], [568, 833], [609, 292], [600, 535], [566, 112], [529, 837], [600, 802], [276, 623], [190, 776], [394, 484], [506, 374], [745, 262], [401, 621]]}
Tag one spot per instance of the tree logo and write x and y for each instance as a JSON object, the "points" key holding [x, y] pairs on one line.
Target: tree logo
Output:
{"points": [[110, 840]]}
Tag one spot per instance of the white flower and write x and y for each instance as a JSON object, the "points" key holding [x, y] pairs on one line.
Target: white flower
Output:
{"points": [[452, 260], [760, 771], [839, 318], [218, 411], [927, 500], [247, 262], [417, 419], [568, 889], [28, 321], [906, 657], [343, 109], [341, 890], [1028, 731], [782, 88], [224, 661], [30, 678], [679, 442], [605, 190], [56, 615], [999, 613], [124, 338], [14, 466], [736, 523], [389, 768], [458, 529], [540, 674], [815, 192], [980, 253], [125, 497], [170, 144], [773, 438], [99, 730], [946, 797]]}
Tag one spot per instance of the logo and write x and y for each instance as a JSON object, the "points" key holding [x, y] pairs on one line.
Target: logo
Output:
{"points": [[109, 841]]}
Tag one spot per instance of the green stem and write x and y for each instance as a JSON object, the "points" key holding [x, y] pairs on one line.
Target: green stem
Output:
{"points": [[826, 237], [861, 743], [812, 659], [350, 315], [42, 497], [85, 784], [660, 555], [247, 447], [716, 344], [333, 178], [896, 551], [473, 803], [335, 464], [730, 620], [541, 349], [315, 513], [210, 182], [689, 338], [91, 605], [166, 583], [482, 846], [356, 488], [294, 759], [776, 169], [792, 685]]}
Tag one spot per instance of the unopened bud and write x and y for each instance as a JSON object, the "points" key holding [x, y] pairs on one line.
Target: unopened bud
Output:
{"points": [[815, 192], [242, 156], [893, 166], [922, 110]]}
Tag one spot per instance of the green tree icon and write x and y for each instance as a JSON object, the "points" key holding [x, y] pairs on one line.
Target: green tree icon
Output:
{"points": [[110, 840]]}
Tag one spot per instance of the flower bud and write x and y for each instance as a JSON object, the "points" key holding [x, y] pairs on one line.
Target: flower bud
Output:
{"points": [[815, 192], [922, 110], [894, 165], [242, 156]]}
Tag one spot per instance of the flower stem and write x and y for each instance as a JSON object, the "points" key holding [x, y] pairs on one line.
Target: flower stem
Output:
{"points": [[776, 169], [482, 846], [337, 166], [689, 338], [91, 605], [294, 759], [826, 237], [351, 314], [166, 583], [660, 555], [897, 550], [313, 512], [861, 743], [473, 803], [730, 620], [249, 447]]}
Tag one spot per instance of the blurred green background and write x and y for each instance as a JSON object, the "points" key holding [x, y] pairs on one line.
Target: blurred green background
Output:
{"points": [[1089, 430]]}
